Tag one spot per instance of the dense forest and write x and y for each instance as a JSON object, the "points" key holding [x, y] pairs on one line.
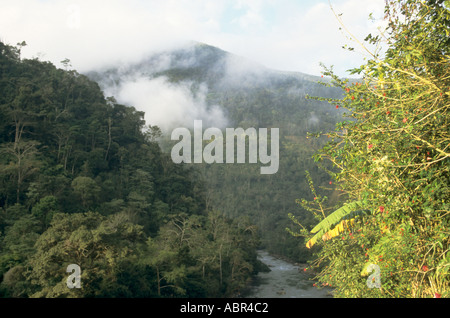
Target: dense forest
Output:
{"points": [[361, 194], [250, 96], [82, 181]]}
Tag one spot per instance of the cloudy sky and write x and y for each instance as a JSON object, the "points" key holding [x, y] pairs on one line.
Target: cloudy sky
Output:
{"points": [[288, 35]]}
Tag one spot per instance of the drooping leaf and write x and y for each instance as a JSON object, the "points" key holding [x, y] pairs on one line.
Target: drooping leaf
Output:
{"points": [[339, 217], [336, 216], [338, 229]]}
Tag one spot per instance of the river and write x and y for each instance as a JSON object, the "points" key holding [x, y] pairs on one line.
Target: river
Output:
{"points": [[285, 280]]}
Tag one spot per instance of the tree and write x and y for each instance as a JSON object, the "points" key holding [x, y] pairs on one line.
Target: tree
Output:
{"points": [[101, 246], [162, 254], [83, 181], [392, 156], [22, 163], [45, 209], [87, 189]]}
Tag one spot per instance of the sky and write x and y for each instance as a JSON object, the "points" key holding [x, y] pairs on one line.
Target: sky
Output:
{"points": [[286, 35]]}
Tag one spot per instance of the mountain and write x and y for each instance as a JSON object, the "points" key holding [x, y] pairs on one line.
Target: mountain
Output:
{"points": [[214, 83], [199, 81], [200, 62]]}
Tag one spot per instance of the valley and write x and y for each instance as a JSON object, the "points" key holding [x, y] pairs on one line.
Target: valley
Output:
{"points": [[229, 91]]}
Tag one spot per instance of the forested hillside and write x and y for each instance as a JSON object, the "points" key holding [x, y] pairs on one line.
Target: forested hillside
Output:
{"points": [[235, 92], [82, 181]]}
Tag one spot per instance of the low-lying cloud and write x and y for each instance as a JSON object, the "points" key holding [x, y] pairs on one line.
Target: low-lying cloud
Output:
{"points": [[169, 105]]}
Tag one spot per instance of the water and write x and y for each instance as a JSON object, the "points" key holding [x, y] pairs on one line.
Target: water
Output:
{"points": [[285, 280]]}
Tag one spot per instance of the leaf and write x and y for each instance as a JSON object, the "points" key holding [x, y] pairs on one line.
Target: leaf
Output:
{"points": [[336, 216], [338, 229], [340, 217]]}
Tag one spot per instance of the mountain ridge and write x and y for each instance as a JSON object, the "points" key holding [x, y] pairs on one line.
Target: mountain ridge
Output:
{"points": [[194, 55], [214, 85]]}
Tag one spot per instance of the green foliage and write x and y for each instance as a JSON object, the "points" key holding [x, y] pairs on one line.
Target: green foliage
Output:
{"points": [[218, 252], [393, 155], [99, 245], [336, 217], [83, 181], [331, 220], [251, 96], [240, 190], [45, 209]]}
